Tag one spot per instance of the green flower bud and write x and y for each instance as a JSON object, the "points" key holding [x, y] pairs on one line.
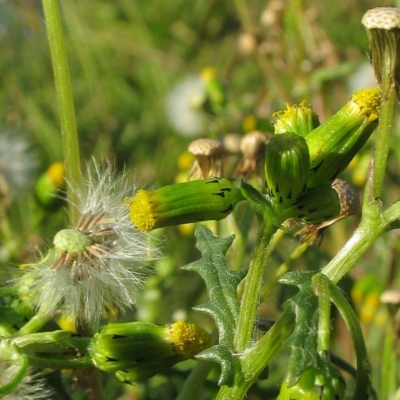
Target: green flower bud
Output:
{"points": [[334, 143], [324, 383], [317, 205], [182, 203], [300, 119], [287, 165], [139, 350]]}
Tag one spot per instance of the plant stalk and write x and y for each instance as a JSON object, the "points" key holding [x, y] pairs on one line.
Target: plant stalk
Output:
{"points": [[251, 292], [65, 103]]}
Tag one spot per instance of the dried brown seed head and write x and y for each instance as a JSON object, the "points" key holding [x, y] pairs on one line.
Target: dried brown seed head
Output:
{"points": [[209, 154]]}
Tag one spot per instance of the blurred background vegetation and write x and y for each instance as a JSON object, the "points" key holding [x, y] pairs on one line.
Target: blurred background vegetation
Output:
{"points": [[132, 62]]}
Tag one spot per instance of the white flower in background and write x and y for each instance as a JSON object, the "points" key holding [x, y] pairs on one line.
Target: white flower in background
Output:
{"points": [[96, 268], [17, 163], [184, 106]]}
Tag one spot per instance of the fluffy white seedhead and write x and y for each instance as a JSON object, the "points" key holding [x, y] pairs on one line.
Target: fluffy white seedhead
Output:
{"points": [[96, 268], [382, 18], [184, 104]]}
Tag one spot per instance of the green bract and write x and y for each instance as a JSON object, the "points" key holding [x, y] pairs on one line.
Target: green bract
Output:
{"points": [[182, 203], [318, 204], [334, 143], [299, 119], [140, 350], [287, 165]]}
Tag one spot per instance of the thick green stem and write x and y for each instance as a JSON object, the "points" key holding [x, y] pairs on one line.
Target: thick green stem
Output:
{"points": [[65, 102], [34, 324], [324, 329], [392, 213], [363, 237], [384, 130], [255, 360], [52, 342], [363, 378], [60, 363], [251, 293]]}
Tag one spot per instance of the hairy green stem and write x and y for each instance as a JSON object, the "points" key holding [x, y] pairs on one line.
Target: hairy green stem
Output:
{"points": [[258, 357], [34, 324], [60, 363], [251, 293], [363, 237], [324, 331], [363, 378], [65, 102], [384, 129], [52, 342]]}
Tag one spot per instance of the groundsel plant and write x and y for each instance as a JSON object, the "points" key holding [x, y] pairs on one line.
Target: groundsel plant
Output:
{"points": [[285, 183]]}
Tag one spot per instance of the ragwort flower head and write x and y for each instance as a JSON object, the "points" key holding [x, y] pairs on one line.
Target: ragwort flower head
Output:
{"points": [[95, 268]]}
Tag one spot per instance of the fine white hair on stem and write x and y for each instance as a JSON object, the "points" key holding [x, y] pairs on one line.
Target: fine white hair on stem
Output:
{"points": [[96, 268]]}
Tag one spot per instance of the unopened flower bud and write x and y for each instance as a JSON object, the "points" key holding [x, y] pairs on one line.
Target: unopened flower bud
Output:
{"points": [[182, 203], [333, 144], [299, 119], [139, 350], [317, 205], [287, 165], [323, 383], [208, 154], [383, 30]]}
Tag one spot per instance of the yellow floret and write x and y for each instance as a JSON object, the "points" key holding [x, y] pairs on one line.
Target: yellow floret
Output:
{"points": [[188, 339], [141, 211]]}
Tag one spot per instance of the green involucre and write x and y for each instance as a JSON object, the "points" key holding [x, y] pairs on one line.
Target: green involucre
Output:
{"points": [[287, 165]]}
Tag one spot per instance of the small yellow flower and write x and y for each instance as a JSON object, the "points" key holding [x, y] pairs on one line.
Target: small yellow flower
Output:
{"points": [[140, 350], [188, 339], [181, 203]]}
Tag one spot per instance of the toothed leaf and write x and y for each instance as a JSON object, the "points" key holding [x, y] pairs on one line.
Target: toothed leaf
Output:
{"points": [[221, 286], [303, 341], [222, 355]]}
